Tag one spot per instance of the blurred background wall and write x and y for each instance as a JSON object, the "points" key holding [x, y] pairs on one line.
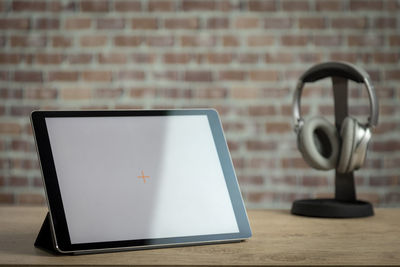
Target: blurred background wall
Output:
{"points": [[240, 57]]}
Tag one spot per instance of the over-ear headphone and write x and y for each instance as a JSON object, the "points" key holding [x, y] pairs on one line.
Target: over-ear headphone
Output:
{"points": [[324, 147]]}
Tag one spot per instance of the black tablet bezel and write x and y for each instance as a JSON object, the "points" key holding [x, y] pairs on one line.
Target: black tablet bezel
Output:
{"points": [[56, 209]]}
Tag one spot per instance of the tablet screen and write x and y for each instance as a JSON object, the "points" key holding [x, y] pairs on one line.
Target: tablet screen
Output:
{"points": [[128, 178]]}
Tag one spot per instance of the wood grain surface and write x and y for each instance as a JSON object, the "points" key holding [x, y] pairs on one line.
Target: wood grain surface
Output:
{"points": [[279, 238]]}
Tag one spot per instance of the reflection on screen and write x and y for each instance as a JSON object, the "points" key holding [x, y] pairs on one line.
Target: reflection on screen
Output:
{"points": [[125, 178]]}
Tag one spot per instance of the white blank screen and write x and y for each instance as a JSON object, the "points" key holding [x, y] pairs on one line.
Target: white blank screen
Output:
{"points": [[126, 178]]}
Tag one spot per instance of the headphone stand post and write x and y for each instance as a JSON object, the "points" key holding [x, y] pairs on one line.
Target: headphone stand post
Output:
{"points": [[345, 203]]}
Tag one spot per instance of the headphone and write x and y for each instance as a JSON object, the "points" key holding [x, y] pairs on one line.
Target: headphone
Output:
{"points": [[322, 145]]}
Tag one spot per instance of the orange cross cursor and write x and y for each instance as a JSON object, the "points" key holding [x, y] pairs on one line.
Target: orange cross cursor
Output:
{"points": [[143, 177]]}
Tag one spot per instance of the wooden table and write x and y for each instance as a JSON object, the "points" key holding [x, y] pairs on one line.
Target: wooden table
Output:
{"points": [[278, 239]]}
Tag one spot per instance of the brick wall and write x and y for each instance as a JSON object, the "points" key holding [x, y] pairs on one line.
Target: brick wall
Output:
{"points": [[241, 57]]}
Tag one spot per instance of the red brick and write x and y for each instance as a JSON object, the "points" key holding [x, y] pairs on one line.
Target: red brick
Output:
{"points": [[31, 41], [310, 57], [18, 5], [14, 24], [198, 76], [349, 23], [175, 58], [248, 58], [212, 93], [260, 40], [295, 5], [232, 75], [344, 56], [66, 76], [10, 128], [279, 57], [385, 23], [79, 58], [144, 23], [166, 75], [365, 40], [93, 40], [108, 93], [218, 23], [18, 181], [76, 93], [144, 58], [11, 93], [9, 58], [38, 182], [371, 5], [219, 58], [264, 110], [127, 40], [312, 23], [30, 199], [394, 40], [113, 58], [329, 5], [49, 58], [278, 23], [161, 6], [263, 75], [6, 198], [28, 76], [160, 40], [181, 23], [61, 41], [384, 180], [58, 6], [97, 76], [262, 5], [313, 181], [131, 75], [206, 40], [254, 145], [41, 93], [250, 179], [128, 6], [141, 92], [294, 40], [4, 75], [94, 6], [227, 5], [386, 146], [278, 127], [197, 5], [230, 40], [327, 40], [47, 24], [244, 92], [110, 23], [392, 75], [77, 23], [392, 5], [294, 163], [247, 22], [386, 57]]}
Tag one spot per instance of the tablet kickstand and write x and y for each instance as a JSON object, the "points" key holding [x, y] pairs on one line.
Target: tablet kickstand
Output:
{"points": [[44, 240]]}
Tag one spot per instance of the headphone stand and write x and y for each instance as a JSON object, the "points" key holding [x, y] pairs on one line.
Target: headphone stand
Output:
{"points": [[345, 203]]}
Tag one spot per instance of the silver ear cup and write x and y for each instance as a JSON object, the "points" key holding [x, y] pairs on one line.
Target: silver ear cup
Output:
{"points": [[318, 142], [355, 139], [347, 137]]}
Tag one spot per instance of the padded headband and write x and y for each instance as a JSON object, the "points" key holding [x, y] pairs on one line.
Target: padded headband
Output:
{"points": [[335, 69]]}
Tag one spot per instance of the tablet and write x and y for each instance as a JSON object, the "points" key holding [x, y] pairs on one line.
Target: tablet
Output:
{"points": [[133, 179]]}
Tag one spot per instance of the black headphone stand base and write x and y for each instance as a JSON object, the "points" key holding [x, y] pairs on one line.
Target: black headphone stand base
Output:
{"points": [[332, 208]]}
